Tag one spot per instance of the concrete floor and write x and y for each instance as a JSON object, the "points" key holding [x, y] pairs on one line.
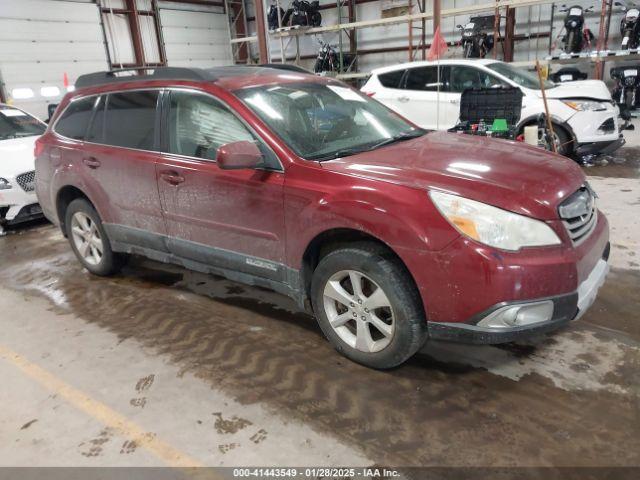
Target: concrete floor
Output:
{"points": [[162, 366]]}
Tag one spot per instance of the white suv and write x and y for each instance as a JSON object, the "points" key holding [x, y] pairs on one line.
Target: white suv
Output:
{"points": [[585, 117], [18, 133]]}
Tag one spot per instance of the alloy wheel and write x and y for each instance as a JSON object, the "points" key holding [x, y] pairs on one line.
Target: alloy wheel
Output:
{"points": [[86, 238], [359, 311]]}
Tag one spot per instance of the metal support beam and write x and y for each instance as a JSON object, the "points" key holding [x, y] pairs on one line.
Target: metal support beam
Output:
{"points": [[134, 27], [261, 31], [509, 32]]}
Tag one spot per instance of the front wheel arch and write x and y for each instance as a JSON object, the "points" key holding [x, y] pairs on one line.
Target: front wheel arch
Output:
{"points": [[557, 124], [328, 241]]}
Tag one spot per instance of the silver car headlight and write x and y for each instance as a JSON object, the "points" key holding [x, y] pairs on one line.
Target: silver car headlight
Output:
{"points": [[491, 225], [4, 184], [586, 105]]}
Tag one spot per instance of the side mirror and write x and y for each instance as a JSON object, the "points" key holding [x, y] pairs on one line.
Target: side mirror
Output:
{"points": [[239, 155], [459, 26]]}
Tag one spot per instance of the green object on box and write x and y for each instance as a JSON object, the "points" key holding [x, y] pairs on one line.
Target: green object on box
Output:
{"points": [[500, 125]]}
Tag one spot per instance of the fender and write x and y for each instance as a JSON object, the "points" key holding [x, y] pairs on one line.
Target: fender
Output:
{"points": [[390, 213]]}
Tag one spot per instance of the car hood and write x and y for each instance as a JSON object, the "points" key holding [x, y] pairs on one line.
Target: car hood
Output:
{"points": [[16, 156], [595, 89], [510, 175]]}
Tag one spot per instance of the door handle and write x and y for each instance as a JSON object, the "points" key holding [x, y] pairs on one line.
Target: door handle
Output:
{"points": [[454, 101], [172, 178], [403, 99], [91, 162]]}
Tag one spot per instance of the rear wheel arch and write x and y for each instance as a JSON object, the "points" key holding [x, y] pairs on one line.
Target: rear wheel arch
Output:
{"points": [[65, 196]]}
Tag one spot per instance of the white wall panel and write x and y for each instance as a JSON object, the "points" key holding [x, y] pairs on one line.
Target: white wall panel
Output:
{"points": [[41, 40], [195, 38]]}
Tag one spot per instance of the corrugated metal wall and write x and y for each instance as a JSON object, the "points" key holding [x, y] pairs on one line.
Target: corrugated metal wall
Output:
{"points": [[40, 41]]}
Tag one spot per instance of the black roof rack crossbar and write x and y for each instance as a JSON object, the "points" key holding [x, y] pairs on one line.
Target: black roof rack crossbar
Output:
{"points": [[157, 73]]}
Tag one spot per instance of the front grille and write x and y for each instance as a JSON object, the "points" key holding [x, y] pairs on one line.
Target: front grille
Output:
{"points": [[27, 181], [608, 125], [579, 214]]}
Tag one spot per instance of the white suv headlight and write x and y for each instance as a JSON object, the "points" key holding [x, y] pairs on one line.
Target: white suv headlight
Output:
{"points": [[491, 225], [586, 105]]}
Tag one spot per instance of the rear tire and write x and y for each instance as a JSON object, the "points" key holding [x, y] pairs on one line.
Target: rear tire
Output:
{"points": [[380, 322], [89, 240]]}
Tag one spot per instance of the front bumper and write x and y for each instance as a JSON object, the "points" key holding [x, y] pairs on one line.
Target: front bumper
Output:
{"points": [[16, 205], [565, 308], [603, 148]]}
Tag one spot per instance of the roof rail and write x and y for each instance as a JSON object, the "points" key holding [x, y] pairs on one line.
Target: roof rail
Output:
{"points": [[157, 73]]}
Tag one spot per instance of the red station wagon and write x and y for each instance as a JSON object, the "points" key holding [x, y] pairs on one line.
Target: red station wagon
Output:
{"points": [[387, 233]]}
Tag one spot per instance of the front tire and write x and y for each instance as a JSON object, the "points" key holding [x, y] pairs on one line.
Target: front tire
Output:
{"points": [[368, 306], [89, 240]]}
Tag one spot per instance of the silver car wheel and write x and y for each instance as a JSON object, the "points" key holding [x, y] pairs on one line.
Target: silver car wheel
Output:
{"points": [[359, 311], [86, 238]]}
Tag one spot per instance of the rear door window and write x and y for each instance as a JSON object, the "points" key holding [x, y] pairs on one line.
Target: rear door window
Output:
{"points": [[426, 79], [392, 79], [75, 119], [130, 119]]}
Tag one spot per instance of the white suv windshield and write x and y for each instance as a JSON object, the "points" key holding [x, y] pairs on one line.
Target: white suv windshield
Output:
{"points": [[321, 122], [15, 123], [521, 77]]}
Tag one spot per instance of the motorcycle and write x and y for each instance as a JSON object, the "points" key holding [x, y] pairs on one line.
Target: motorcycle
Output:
{"points": [[626, 92], [568, 74], [303, 13], [629, 26], [576, 36], [272, 17], [476, 43], [328, 60]]}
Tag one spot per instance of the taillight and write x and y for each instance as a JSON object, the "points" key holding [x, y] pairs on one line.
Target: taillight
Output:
{"points": [[38, 148], [369, 94]]}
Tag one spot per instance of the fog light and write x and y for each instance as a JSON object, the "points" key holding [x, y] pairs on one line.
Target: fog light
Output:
{"points": [[519, 315]]}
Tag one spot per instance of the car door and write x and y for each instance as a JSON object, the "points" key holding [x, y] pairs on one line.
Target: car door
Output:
{"points": [[116, 162], [390, 92], [425, 96], [232, 219], [461, 78]]}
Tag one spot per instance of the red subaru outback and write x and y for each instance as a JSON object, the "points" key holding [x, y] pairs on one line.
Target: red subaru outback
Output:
{"points": [[387, 233]]}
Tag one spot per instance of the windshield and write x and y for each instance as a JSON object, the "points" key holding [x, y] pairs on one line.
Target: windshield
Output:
{"points": [[320, 122], [521, 77], [15, 123]]}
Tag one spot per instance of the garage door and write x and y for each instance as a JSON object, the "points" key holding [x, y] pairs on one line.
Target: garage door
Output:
{"points": [[195, 38], [40, 41]]}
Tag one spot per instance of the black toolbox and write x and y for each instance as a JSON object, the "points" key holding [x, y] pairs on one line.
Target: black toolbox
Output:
{"points": [[481, 106]]}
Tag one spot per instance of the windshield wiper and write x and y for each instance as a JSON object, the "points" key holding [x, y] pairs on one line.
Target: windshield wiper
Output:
{"points": [[345, 152], [367, 148], [398, 138]]}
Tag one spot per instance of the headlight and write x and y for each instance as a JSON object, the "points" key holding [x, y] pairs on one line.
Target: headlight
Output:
{"points": [[585, 105], [493, 226], [4, 184]]}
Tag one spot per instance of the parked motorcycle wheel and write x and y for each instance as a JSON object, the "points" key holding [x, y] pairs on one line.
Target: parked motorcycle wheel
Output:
{"points": [[568, 46], [315, 19], [468, 49]]}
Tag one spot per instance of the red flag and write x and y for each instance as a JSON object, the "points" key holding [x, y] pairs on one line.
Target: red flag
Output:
{"points": [[65, 80], [438, 46]]}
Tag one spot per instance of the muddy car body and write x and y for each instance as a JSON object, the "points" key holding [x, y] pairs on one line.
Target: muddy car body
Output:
{"points": [[253, 173]]}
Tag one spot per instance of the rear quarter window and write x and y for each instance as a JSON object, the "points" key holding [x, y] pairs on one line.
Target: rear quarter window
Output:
{"points": [[73, 122], [391, 79]]}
